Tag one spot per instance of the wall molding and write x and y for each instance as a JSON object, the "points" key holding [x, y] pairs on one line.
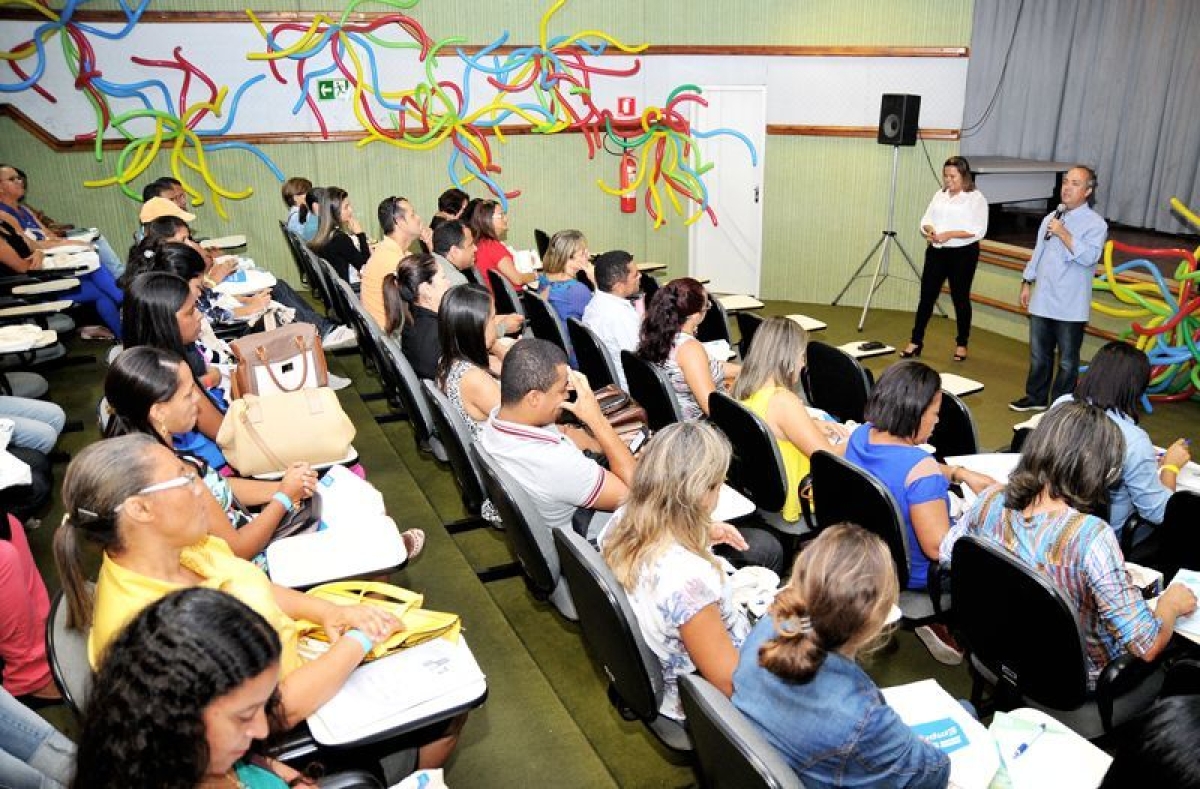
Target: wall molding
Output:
{"points": [[37, 131]]}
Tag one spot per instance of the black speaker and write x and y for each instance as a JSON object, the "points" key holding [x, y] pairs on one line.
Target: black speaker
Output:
{"points": [[898, 115]]}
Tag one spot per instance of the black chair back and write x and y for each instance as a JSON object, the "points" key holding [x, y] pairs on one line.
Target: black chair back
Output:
{"points": [[591, 355], [528, 536], [836, 382], [457, 441], [756, 469], [955, 433], [843, 492], [1178, 534], [648, 385], [748, 323], [732, 752], [472, 275], [610, 629], [544, 322], [1018, 625], [715, 324], [340, 301], [504, 295], [541, 241], [297, 258], [399, 376], [648, 285]]}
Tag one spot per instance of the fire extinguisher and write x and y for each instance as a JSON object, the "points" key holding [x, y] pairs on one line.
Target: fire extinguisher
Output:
{"points": [[628, 177]]}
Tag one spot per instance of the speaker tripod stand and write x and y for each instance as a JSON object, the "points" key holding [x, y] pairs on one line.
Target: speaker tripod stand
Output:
{"points": [[884, 247]]}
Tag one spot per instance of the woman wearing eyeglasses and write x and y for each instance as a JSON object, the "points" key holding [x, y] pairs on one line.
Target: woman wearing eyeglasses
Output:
{"points": [[145, 509], [1050, 516]]}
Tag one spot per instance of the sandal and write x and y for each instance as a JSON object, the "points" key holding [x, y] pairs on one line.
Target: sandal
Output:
{"points": [[913, 350], [414, 541], [960, 353], [96, 333]]}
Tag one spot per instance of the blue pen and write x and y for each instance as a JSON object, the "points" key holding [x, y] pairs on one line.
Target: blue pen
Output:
{"points": [[1025, 745]]}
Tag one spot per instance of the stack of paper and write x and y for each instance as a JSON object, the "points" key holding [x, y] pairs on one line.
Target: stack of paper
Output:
{"points": [[936, 716], [1054, 757]]}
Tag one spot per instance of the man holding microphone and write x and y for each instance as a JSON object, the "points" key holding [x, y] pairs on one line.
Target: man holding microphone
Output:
{"points": [[1063, 263]]}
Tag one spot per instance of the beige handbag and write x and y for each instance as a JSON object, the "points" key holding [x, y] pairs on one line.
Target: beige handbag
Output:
{"points": [[286, 359], [265, 434]]}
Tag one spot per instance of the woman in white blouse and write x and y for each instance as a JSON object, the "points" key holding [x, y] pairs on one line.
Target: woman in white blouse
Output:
{"points": [[953, 224]]}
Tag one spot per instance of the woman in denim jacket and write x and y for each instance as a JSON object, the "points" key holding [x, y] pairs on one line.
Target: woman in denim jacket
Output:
{"points": [[798, 681]]}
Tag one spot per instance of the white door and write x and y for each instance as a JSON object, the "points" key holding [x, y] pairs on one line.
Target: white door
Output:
{"points": [[730, 254]]}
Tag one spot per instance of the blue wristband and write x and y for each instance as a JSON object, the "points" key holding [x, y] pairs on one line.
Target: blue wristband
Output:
{"points": [[362, 638], [284, 499]]}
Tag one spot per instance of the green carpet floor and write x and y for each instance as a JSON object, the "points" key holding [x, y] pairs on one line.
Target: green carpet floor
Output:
{"points": [[547, 720]]}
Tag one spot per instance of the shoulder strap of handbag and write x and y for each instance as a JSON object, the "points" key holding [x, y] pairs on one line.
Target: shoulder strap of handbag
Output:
{"points": [[261, 353], [248, 424]]}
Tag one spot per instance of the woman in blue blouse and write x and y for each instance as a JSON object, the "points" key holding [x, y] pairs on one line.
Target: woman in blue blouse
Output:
{"points": [[901, 414], [566, 256], [798, 681]]}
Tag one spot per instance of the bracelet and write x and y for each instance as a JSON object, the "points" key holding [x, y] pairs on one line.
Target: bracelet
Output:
{"points": [[362, 638], [284, 500], [1171, 467]]}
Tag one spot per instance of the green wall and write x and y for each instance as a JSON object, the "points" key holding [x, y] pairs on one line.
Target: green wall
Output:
{"points": [[825, 199]]}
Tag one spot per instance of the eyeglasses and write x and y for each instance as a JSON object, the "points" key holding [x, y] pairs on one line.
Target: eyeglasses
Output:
{"points": [[188, 479]]}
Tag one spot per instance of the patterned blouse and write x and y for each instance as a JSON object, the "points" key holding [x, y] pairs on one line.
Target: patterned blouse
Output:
{"points": [[687, 401]]}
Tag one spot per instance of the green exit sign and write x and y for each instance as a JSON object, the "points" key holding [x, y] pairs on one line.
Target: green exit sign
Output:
{"points": [[332, 89]]}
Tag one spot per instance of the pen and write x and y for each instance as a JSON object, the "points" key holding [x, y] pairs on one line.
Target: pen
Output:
{"points": [[1025, 745]]}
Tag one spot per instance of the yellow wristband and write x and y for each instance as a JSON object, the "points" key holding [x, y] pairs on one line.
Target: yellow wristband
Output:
{"points": [[1171, 467], [209, 282]]}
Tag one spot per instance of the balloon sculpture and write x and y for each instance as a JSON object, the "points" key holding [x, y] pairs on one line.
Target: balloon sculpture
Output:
{"points": [[548, 86], [1165, 326]]}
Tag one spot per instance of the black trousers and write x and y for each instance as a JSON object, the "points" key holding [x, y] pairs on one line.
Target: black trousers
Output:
{"points": [[958, 265]]}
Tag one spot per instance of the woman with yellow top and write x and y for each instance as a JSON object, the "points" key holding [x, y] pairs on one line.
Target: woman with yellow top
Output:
{"points": [[767, 386], [144, 507]]}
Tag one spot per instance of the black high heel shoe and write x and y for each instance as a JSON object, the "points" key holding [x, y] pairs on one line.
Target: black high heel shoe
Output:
{"points": [[913, 350]]}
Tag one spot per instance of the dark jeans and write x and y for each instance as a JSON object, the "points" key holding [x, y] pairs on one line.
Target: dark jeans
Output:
{"points": [[1046, 334], [763, 550], [288, 297], [958, 265]]}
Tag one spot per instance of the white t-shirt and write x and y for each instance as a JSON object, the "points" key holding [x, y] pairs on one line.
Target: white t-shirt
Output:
{"points": [[964, 211]]}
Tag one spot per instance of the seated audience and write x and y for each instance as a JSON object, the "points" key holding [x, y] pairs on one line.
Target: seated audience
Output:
{"points": [[1049, 517], [148, 519], [411, 296], [161, 312], [1156, 747], [293, 191], [452, 205], [55, 227], [798, 680], [658, 546], [1115, 382], [152, 391], [767, 386], [310, 214], [466, 335], [668, 340], [489, 223], [901, 414], [24, 242], [32, 752], [454, 250], [340, 238], [548, 461], [166, 227], [610, 314], [566, 256], [24, 608], [401, 229], [194, 675]]}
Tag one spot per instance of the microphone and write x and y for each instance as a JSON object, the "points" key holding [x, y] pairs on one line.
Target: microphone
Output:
{"points": [[1058, 214]]}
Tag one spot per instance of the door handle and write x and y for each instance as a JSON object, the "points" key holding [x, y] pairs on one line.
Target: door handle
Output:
{"points": [[756, 194]]}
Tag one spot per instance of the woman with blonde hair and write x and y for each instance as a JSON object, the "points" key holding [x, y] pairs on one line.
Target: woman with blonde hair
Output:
{"points": [[767, 386], [798, 680], [658, 545], [566, 256]]}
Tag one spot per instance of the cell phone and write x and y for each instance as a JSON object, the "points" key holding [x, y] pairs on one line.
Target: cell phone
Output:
{"points": [[870, 345]]}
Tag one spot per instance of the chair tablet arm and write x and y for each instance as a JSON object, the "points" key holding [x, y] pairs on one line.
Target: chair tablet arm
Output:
{"points": [[1121, 675], [349, 779]]}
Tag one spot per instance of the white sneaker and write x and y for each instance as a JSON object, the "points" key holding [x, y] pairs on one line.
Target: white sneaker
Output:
{"points": [[337, 382], [940, 644], [339, 337]]}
